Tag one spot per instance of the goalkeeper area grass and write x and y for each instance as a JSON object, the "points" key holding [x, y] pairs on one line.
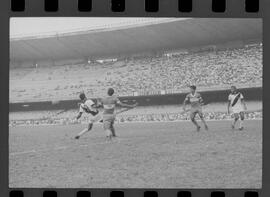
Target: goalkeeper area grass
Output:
{"points": [[145, 155]]}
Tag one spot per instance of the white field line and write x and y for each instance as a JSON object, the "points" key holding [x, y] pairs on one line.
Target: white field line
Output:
{"points": [[60, 148], [45, 150]]}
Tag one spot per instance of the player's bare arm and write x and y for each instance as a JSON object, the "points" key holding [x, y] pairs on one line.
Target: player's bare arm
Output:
{"points": [[126, 105], [228, 106], [201, 100], [185, 103], [244, 104]]}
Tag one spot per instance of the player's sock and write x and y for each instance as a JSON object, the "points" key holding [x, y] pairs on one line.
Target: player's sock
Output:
{"points": [[205, 125], [194, 122], [108, 134], [233, 123], [90, 126], [241, 124], [113, 132], [81, 133]]}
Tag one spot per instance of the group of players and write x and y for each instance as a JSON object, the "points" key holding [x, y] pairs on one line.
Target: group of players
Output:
{"points": [[107, 117], [236, 105]]}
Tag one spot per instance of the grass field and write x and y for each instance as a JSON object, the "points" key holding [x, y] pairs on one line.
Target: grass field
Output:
{"points": [[148, 155]]}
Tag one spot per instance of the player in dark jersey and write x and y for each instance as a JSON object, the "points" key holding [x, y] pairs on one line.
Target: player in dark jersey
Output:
{"points": [[109, 103], [195, 100], [89, 107]]}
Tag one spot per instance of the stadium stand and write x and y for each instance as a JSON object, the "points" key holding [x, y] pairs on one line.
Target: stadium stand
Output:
{"points": [[213, 111], [139, 76], [158, 117]]}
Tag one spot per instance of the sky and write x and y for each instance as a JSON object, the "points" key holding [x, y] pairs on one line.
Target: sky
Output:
{"points": [[30, 26]]}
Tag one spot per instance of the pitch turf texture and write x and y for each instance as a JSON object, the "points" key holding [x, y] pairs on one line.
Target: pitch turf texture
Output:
{"points": [[148, 155]]}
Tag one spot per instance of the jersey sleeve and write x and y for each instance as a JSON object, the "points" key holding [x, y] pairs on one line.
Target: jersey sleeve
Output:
{"points": [[89, 103], [229, 97]]}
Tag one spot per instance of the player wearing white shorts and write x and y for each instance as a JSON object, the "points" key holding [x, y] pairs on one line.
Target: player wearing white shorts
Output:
{"points": [[88, 106], [237, 105]]}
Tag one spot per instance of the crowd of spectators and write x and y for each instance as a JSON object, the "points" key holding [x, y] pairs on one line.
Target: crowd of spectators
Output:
{"points": [[181, 117], [211, 68], [123, 118]]}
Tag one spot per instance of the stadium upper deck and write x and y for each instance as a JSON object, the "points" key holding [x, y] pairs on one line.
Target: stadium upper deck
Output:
{"points": [[130, 38], [141, 76]]}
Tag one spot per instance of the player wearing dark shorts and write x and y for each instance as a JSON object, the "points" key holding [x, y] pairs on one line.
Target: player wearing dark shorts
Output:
{"points": [[109, 103], [195, 100]]}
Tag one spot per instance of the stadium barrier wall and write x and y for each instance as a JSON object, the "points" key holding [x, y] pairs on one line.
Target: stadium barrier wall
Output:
{"points": [[250, 94]]}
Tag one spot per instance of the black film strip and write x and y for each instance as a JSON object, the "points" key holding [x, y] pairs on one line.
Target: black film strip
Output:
{"points": [[126, 8]]}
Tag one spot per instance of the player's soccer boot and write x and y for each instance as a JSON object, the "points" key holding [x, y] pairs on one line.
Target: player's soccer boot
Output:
{"points": [[198, 128], [77, 137], [241, 128]]}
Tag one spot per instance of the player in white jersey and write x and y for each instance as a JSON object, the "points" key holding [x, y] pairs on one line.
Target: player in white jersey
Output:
{"points": [[88, 106], [237, 105]]}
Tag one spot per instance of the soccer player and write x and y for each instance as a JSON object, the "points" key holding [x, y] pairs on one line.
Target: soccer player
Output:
{"points": [[109, 103], [88, 106], [238, 106], [195, 100]]}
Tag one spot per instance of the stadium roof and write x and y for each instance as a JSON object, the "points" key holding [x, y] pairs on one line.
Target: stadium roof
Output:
{"points": [[134, 38]]}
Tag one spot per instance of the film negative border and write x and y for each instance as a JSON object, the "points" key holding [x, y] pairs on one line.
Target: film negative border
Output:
{"points": [[119, 5], [181, 8], [123, 193], [168, 8]]}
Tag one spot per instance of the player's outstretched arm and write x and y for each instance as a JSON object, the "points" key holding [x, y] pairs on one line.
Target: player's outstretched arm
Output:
{"points": [[98, 103], [126, 105]]}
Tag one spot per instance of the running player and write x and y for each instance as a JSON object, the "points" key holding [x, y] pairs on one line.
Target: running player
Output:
{"points": [[238, 106], [109, 103], [195, 100], [88, 106]]}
